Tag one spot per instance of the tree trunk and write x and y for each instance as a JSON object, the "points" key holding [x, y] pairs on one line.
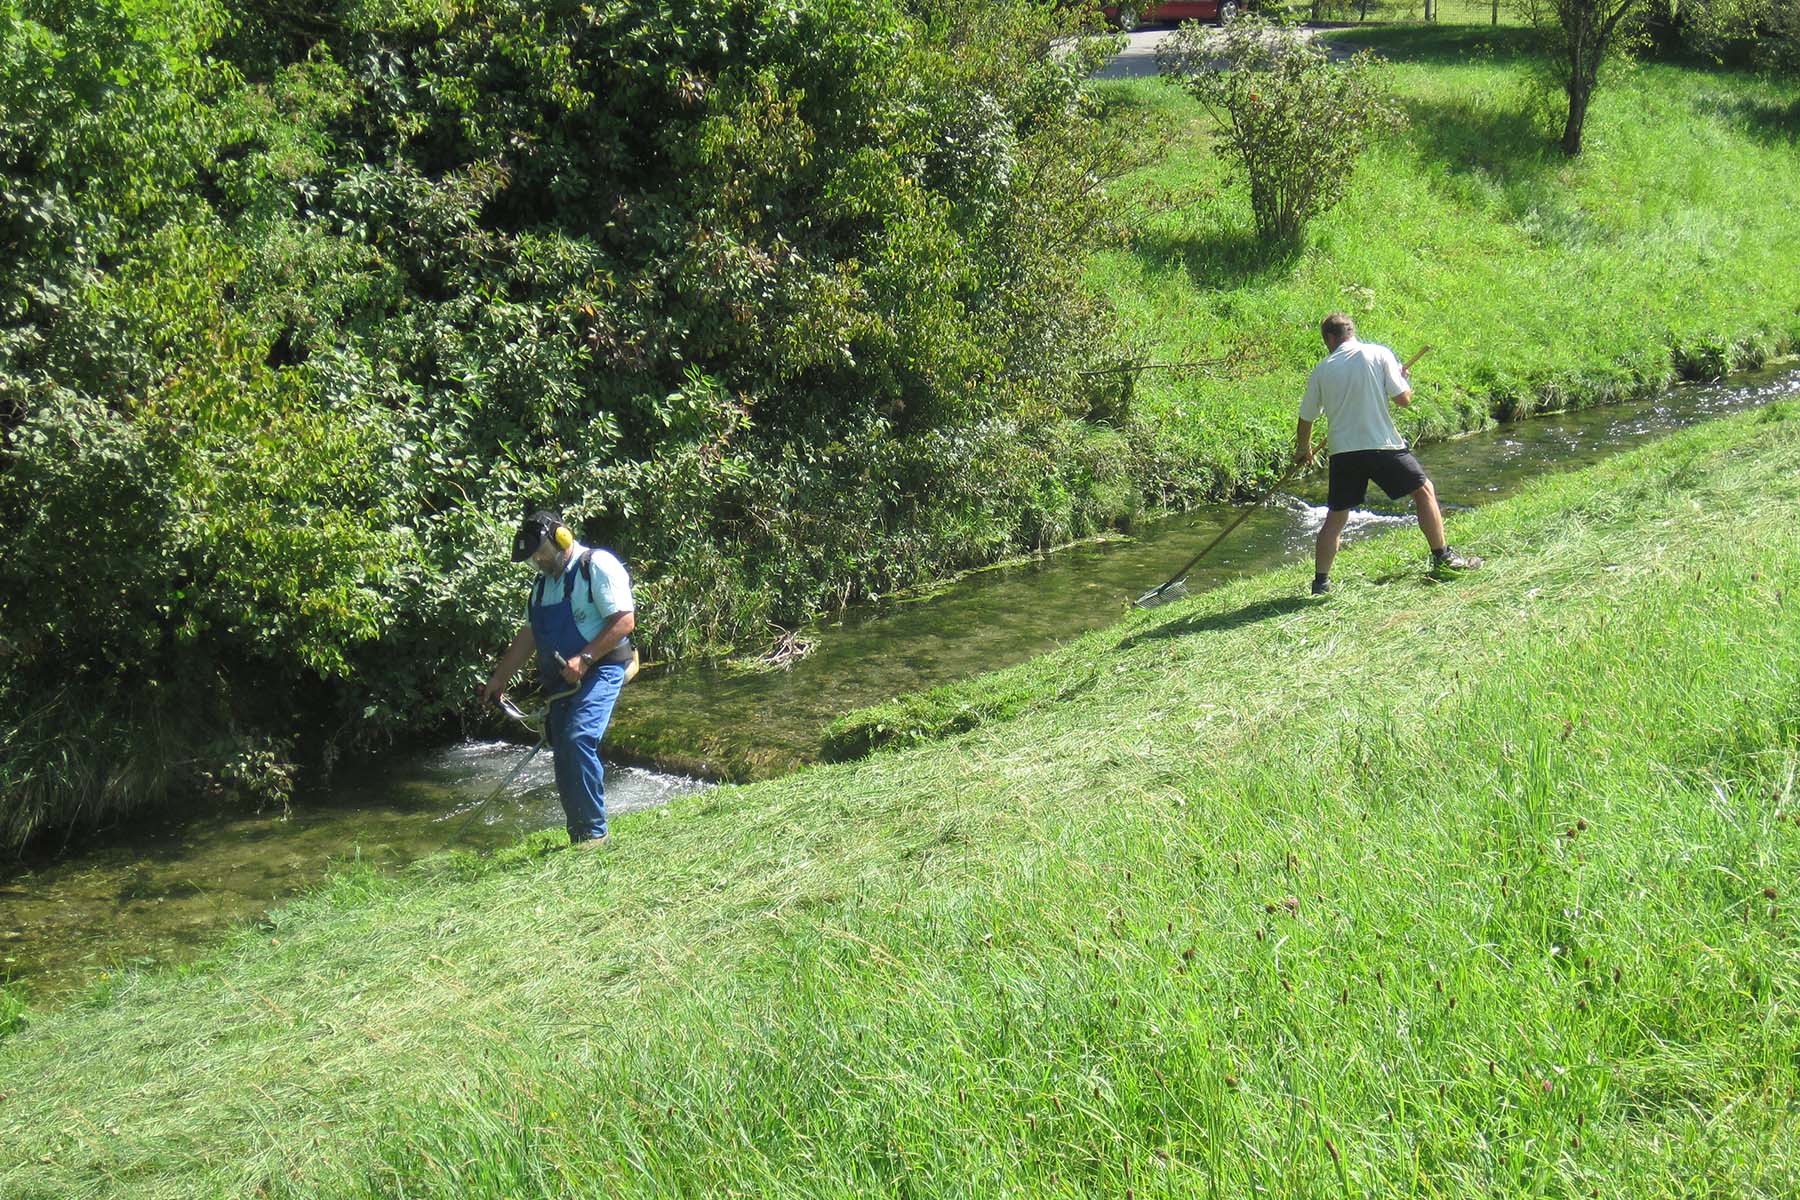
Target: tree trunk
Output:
{"points": [[1579, 91], [1588, 27]]}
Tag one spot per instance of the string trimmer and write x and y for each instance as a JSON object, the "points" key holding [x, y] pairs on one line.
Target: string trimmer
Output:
{"points": [[539, 725]]}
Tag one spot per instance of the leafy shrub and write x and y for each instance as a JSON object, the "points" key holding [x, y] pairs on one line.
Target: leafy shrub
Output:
{"points": [[781, 299], [1295, 122], [1763, 33]]}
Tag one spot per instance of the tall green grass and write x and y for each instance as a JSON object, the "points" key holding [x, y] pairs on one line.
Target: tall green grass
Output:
{"points": [[1450, 889], [1665, 250]]}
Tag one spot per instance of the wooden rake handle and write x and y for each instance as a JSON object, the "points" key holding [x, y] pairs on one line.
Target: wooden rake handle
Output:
{"points": [[1235, 522]]}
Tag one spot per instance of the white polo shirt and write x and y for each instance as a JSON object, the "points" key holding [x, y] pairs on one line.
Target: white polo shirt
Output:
{"points": [[611, 593], [1352, 386]]}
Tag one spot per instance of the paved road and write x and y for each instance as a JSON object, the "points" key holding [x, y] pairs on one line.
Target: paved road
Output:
{"points": [[1138, 58]]}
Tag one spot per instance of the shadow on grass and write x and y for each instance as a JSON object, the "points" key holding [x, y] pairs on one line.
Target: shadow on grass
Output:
{"points": [[1768, 122], [1505, 144], [1262, 610], [1418, 578], [1116, 100], [1217, 258], [1441, 45]]}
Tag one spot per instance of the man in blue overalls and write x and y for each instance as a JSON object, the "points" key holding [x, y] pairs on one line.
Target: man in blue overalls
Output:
{"points": [[578, 622]]}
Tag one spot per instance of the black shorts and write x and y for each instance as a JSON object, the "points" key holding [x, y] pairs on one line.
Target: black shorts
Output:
{"points": [[1397, 471]]}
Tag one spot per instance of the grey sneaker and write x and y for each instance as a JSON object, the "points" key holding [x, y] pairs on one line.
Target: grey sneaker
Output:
{"points": [[593, 843], [1449, 559], [1321, 587]]}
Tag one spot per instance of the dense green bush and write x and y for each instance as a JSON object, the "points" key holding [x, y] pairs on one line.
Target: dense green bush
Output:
{"points": [[1294, 121], [779, 298], [1762, 33]]}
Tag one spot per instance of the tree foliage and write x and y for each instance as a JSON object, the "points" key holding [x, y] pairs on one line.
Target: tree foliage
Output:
{"points": [[1765, 33], [304, 304], [1295, 122]]}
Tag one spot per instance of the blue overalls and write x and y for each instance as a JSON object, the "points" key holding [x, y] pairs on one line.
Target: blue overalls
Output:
{"points": [[577, 722]]}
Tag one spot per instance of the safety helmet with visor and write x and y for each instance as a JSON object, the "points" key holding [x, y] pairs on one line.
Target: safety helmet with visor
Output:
{"points": [[544, 525]]}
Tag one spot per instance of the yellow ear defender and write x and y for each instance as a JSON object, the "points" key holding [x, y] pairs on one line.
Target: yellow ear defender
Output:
{"points": [[564, 539]]}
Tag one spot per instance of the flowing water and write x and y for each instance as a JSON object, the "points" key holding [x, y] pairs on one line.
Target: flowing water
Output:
{"points": [[737, 725], [162, 891]]}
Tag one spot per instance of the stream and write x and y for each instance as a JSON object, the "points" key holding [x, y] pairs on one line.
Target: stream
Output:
{"points": [[164, 890]]}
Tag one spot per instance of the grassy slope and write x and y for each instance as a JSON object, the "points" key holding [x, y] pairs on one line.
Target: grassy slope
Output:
{"points": [[1525, 819], [1540, 282]]}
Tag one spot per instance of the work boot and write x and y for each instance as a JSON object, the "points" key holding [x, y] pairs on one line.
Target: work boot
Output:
{"points": [[593, 843], [1448, 559]]}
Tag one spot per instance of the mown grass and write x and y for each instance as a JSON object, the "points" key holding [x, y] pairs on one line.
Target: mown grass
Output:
{"points": [[1474, 888], [1541, 282]]}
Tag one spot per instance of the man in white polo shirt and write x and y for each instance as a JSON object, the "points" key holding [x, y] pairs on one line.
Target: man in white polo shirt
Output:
{"points": [[1352, 387]]}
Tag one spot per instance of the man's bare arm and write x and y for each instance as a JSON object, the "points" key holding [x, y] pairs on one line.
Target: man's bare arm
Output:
{"points": [[610, 635]]}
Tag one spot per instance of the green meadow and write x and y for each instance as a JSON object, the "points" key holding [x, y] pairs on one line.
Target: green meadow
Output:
{"points": [[1539, 282], [1475, 888]]}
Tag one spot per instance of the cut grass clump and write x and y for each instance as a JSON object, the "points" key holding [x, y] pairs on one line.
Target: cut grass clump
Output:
{"points": [[12, 1010], [938, 713]]}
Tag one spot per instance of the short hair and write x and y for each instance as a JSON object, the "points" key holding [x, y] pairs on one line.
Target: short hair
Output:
{"points": [[1337, 325]]}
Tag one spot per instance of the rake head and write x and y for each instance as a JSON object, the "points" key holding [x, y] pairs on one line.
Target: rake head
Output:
{"points": [[1166, 594]]}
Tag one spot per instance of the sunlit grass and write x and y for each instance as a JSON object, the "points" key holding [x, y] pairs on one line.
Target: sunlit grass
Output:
{"points": [[1664, 250], [1466, 888]]}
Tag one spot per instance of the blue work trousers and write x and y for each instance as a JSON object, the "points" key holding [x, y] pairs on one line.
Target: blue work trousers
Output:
{"points": [[576, 726]]}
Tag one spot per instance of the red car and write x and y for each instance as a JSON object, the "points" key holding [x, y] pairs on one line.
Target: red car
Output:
{"points": [[1130, 15]]}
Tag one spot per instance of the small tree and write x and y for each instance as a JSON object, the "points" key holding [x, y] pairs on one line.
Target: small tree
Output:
{"points": [[1295, 121], [1585, 34]]}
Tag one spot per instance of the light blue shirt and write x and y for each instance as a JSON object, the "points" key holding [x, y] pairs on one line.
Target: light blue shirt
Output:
{"points": [[592, 608]]}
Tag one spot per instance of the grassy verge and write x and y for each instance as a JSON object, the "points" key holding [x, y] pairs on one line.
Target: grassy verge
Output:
{"points": [[1669, 246], [1540, 282], [1479, 888]]}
